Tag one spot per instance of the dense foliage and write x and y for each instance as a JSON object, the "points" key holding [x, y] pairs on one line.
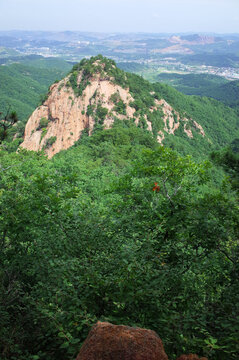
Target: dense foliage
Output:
{"points": [[204, 85], [21, 85], [7, 121], [117, 228]]}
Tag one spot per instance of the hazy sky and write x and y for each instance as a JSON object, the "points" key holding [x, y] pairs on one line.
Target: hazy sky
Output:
{"points": [[220, 16]]}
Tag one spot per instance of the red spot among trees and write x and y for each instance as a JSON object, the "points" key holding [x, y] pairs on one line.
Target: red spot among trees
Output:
{"points": [[156, 187]]}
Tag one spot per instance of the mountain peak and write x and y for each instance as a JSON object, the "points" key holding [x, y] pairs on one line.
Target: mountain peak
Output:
{"points": [[96, 92], [97, 67]]}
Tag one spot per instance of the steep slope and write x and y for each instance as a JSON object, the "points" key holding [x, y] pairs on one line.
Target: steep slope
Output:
{"points": [[96, 92], [220, 122], [21, 85], [228, 93], [204, 85]]}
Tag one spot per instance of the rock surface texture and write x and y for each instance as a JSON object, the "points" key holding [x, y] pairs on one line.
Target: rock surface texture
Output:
{"points": [[112, 342]]}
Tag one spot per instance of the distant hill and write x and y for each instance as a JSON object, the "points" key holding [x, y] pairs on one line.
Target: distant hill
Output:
{"points": [[200, 38], [131, 66], [194, 48], [228, 93], [21, 85], [218, 58], [6, 53], [204, 85]]}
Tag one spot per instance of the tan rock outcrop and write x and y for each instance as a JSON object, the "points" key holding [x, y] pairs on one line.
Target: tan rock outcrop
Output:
{"points": [[58, 123], [107, 341], [199, 127], [67, 114], [172, 121], [171, 118]]}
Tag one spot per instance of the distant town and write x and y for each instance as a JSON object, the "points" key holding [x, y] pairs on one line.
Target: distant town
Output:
{"points": [[179, 53]]}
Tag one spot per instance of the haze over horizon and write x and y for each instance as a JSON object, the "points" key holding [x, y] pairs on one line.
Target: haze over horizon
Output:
{"points": [[152, 16]]}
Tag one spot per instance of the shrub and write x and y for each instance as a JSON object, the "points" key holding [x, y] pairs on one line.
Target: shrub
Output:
{"points": [[43, 133], [50, 142], [101, 113], [90, 110], [43, 123], [115, 97], [120, 107]]}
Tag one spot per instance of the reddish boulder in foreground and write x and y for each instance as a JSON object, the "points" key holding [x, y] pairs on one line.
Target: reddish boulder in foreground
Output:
{"points": [[190, 357], [107, 341]]}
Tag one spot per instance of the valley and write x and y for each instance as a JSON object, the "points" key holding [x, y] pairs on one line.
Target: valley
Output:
{"points": [[212, 54]]}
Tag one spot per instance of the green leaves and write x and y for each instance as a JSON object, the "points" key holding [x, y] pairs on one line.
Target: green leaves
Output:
{"points": [[84, 237]]}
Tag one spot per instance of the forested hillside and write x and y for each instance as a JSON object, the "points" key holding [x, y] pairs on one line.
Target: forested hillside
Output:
{"points": [[204, 85], [201, 84], [23, 84], [120, 228], [117, 228]]}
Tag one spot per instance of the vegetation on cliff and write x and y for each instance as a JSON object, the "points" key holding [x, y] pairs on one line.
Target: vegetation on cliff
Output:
{"points": [[190, 124]]}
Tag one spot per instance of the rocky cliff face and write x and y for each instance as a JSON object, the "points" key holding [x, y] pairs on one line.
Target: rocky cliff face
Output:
{"points": [[91, 95], [107, 341]]}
